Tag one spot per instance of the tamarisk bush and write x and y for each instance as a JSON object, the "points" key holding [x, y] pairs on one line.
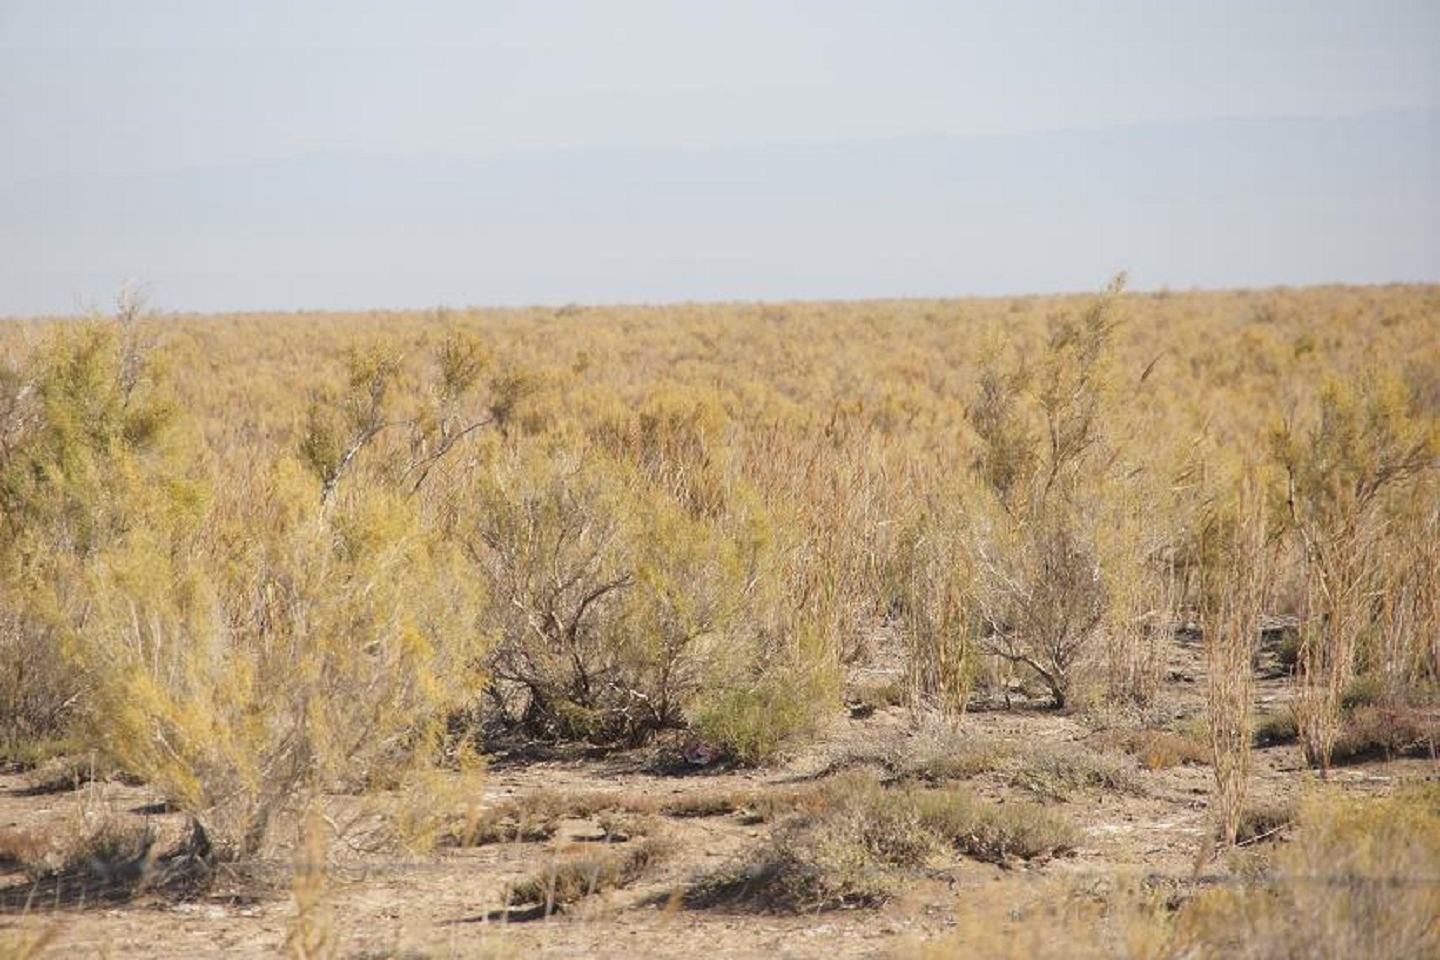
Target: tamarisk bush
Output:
{"points": [[1050, 473], [233, 647], [614, 605], [87, 462], [1366, 443], [1235, 584], [934, 583]]}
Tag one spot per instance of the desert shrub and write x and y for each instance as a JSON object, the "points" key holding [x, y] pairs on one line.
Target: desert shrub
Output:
{"points": [[933, 586], [613, 607], [1235, 586], [372, 404], [1045, 580], [753, 722], [84, 461], [234, 649], [289, 651], [1367, 441]]}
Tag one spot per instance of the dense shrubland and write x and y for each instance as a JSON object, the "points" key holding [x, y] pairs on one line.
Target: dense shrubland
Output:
{"points": [[255, 558]]}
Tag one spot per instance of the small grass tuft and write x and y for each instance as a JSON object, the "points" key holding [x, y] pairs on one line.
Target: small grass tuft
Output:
{"points": [[996, 832], [1263, 821], [1159, 749], [1057, 772], [1276, 729], [572, 879]]}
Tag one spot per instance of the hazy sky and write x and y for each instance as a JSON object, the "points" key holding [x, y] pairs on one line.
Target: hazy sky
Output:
{"points": [[238, 104]]}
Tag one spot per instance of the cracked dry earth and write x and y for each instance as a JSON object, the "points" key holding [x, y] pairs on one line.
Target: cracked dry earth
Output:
{"points": [[451, 903]]}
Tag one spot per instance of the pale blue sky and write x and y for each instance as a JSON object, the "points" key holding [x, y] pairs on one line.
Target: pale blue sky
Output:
{"points": [[285, 155]]}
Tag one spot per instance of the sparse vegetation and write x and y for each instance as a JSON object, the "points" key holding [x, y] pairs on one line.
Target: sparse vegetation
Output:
{"points": [[858, 847], [1335, 892]]}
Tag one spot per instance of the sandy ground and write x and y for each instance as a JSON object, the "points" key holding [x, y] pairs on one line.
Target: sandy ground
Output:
{"points": [[450, 904]]}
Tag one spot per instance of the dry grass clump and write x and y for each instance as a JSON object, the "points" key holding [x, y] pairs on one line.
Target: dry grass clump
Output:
{"points": [[1262, 821], [1158, 749], [1357, 880], [587, 873], [1379, 732], [935, 751], [27, 944], [103, 861], [1056, 772], [536, 816], [1274, 729], [867, 839], [864, 699], [995, 832]]}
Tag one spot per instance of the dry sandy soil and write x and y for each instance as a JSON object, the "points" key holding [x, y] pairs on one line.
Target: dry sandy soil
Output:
{"points": [[451, 904]]}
